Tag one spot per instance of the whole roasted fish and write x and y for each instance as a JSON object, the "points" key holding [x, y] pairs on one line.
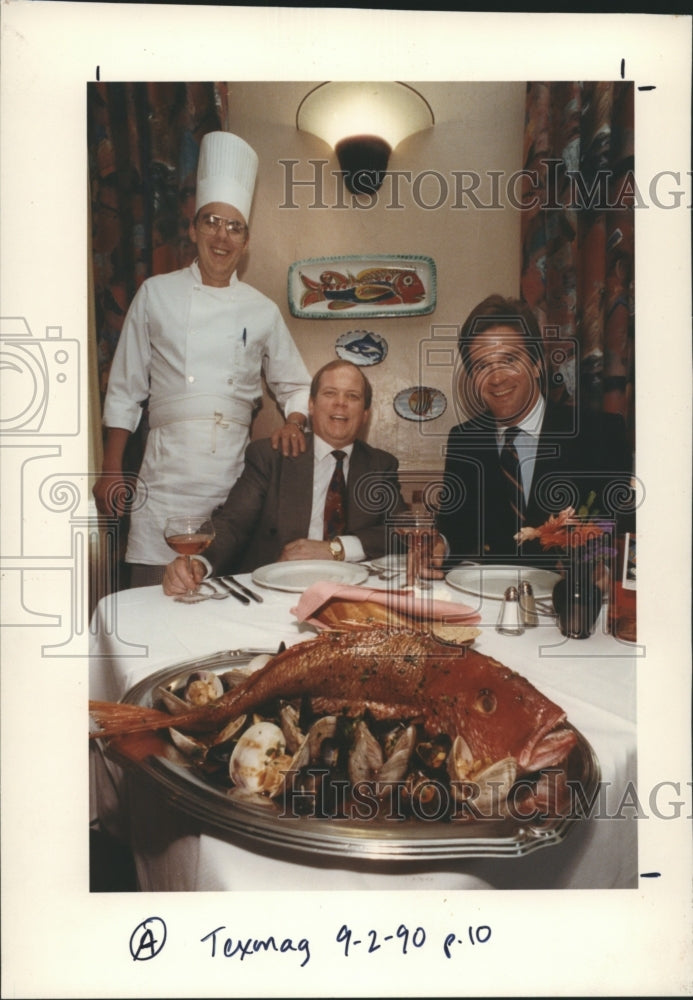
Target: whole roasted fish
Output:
{"points": [[492, 714]]}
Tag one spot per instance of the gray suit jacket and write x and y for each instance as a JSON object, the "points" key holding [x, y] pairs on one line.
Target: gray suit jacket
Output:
{"points": [[270, 505]]}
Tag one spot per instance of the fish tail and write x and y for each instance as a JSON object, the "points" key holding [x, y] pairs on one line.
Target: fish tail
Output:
{"points": [[115, 718]]}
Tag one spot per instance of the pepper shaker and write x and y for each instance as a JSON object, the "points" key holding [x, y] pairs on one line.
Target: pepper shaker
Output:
{"points": [[528, 607], [510, 617]]}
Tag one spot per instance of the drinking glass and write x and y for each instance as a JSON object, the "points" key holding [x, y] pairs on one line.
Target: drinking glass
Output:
{"points": [[189, 535], [417, 528]]}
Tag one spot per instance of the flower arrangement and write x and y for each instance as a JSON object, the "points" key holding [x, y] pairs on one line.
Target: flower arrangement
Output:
{"points": [[569, 530]]}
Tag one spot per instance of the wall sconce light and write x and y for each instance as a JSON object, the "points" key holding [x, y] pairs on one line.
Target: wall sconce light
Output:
{"points": [[363, 122]]}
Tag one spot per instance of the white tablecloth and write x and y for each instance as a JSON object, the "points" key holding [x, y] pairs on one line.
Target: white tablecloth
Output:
{"points": [[136, 632]]}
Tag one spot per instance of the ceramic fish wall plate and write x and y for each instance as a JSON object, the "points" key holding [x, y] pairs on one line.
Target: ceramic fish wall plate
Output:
{"points": [[392, 285], [420, 402], [361, 347]]}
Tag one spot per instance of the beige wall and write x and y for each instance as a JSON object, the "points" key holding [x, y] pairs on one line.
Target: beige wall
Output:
{"points": [[479, 127]]}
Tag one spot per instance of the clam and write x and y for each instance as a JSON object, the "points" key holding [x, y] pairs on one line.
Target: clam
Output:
{"points": [[171, 701], [202, 687], [366, 756], [320, 733], [258, 661], [191, 748], [288, 720], [236, 675], [259, 762], [230, 730], [396, 764], [257, 757], [485, 786]]}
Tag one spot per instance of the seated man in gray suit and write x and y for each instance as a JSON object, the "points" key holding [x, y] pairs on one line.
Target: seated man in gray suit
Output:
{"points": [[300, 507]]}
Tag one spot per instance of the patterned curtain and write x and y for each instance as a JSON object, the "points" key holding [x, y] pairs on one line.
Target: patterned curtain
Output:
{"points": [[577, 238], [143, 144]]}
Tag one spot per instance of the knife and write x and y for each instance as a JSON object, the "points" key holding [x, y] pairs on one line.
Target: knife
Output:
{"points": [[246, 590], [234, 593]]}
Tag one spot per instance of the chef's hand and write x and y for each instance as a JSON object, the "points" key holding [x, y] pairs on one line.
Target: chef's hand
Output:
{"points": [[111, 493], [177, 579], [290, 438], [433, 569], [112, 489], [306, 548]]}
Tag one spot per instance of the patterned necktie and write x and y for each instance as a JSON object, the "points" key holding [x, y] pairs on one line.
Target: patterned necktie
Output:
{"points": [[335, 502], [510, 464]]}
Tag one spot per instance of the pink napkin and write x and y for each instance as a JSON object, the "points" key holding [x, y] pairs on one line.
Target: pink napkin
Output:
{"points": [[405, 602]]}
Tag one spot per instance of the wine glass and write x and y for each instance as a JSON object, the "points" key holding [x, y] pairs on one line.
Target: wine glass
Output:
{"points": [[189, 535]]}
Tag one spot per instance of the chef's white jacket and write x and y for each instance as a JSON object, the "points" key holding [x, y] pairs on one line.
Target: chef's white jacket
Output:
{"points": [[197, 353]]}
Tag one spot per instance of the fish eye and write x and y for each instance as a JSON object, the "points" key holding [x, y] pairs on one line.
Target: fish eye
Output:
{"points": [[486, 702]]}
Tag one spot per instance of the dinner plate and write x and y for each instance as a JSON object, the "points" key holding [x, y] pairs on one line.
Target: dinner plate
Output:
{"points": [[492, 581], [390, 564], [296, 575], [386, 839]]}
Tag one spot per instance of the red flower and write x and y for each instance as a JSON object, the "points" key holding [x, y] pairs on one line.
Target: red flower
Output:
{"points": [[562, 531]]}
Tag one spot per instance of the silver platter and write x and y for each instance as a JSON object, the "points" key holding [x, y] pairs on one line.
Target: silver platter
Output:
{"points": [[383, 839]]}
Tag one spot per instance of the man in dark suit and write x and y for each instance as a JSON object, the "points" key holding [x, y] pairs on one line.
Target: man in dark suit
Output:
{"points": [[278, 508], [521, 458]]}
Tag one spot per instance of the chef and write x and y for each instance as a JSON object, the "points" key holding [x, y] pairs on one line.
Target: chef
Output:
{"points": [[194, 345]]}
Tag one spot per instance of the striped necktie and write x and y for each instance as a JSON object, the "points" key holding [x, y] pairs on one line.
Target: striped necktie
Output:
{"points": [[334, 521], [510, 464]]}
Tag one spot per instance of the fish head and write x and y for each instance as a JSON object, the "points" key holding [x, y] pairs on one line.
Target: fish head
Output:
{"points": [[497, 711]]}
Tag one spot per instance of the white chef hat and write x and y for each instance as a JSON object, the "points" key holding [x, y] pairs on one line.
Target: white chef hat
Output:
{"points": [[226, 171]]}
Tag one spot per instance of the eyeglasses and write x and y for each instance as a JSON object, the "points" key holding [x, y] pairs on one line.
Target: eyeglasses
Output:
{"points": [[212, 223]]}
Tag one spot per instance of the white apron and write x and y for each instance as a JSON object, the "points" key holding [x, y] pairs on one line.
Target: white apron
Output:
{"points": [[204, 434]]}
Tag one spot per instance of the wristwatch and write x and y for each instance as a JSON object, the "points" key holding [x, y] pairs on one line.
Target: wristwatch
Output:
{"points": [[337, 549]]}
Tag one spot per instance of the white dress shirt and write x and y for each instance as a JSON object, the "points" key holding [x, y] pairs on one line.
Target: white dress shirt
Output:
{"points": [[323, 467]]}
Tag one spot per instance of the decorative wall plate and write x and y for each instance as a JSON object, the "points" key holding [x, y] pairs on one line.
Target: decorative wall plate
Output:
{"points": [[361, 347], [420, 402], [391, 285]]}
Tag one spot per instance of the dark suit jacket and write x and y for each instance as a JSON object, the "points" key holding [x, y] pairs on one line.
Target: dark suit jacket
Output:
{"points": [[270, 505], [576, 453]]}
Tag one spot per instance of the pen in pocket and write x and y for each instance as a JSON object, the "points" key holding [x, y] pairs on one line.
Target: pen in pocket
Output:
{"points": [[244, 338]]}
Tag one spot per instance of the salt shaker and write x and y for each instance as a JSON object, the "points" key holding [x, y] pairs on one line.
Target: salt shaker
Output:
{"points": [[528, 606], [510, 617]]}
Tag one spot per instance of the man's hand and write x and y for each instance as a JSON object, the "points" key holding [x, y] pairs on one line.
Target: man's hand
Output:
{"points": [[111, 492], [306, 548], [290, 438], [433, 570], [177, 579], [112, 489]]}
